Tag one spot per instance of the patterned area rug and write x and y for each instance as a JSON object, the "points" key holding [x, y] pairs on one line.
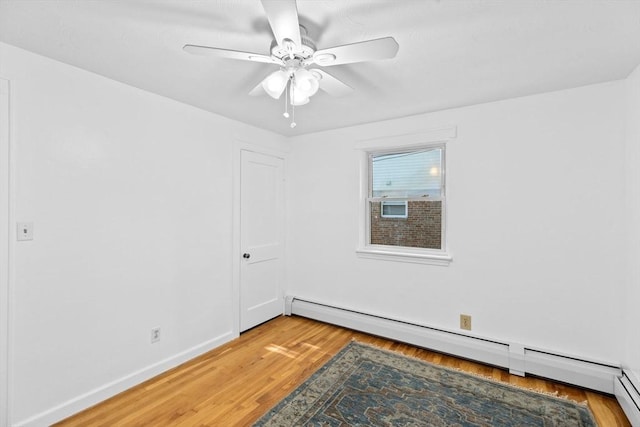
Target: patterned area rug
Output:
{"points": [[366, 386]]}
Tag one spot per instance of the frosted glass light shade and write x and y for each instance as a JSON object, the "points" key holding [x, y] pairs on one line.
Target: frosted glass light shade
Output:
{"points": [[305, 82], [298, 97], [275, 83]]}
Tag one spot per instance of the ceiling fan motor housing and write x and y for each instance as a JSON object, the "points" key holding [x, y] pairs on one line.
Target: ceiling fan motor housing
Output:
{"points": [[305, 51]]}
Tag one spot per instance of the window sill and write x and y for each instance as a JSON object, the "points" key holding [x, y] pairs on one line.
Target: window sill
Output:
{"points": [[401, 255]]}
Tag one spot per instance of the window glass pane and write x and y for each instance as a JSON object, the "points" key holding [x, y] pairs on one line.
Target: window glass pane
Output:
{"points": [[422, 227], [398, 209], [413, 174]]}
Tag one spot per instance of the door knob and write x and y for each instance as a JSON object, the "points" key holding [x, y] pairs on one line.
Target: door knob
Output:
{"points": [[246, 256]]}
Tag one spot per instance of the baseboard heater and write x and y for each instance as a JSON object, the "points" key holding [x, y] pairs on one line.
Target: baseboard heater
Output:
{"points": [[628, 395], [517, 358]]}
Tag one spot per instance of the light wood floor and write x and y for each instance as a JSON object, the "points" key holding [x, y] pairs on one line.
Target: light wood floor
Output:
{"points": [[236, 383]]}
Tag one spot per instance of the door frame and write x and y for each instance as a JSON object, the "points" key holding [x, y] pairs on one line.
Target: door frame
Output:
{"points": [[6, 255], [236, 247]]}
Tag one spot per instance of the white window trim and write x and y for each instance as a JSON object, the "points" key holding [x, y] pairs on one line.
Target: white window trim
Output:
{"points": [[364, 249]]}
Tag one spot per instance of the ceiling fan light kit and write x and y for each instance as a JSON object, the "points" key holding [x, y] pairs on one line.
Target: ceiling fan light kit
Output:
{"points": [[294, 52]]}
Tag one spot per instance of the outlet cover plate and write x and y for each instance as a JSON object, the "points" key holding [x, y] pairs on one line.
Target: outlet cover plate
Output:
{"points": [[465, 322]]}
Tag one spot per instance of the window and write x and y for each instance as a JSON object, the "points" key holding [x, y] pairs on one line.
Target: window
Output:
{"points": [[405, 204], [393, 209]]}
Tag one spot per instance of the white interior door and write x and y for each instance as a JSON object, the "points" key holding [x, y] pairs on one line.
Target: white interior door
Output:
{"points": [[261, 238]]}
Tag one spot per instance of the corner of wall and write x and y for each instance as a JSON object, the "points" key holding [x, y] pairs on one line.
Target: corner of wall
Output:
{"points": [[631, 358]]}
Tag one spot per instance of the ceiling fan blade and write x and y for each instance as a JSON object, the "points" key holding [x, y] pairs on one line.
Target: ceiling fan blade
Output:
{"points": [[331, 85], [258, 90], [370, 50], [230, 54], [283, 18]]}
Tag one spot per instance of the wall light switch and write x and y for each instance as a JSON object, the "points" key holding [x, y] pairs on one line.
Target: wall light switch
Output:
{"points": [[25, 231]]}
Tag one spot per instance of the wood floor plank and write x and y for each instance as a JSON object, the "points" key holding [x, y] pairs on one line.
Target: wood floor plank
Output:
{"points": [[238, 382]]}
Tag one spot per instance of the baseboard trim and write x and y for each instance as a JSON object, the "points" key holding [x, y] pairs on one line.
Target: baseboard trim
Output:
{"points": [[106, 391], [518, 358], [627, 392]]}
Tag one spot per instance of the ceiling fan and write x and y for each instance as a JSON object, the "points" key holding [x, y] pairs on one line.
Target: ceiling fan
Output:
{"points": [[295, 53]]}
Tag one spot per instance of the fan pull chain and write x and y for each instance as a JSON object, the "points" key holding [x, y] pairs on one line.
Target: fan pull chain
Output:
{"points": [[286, 100], [293, 106]]}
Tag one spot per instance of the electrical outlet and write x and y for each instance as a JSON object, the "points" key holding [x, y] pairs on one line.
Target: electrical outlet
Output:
{"points": [[465, 322], [155, 335]]}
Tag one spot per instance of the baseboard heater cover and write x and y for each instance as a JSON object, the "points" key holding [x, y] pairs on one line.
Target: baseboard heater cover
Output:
{"points": [[520, 360], [570, 370], [628, 395]]}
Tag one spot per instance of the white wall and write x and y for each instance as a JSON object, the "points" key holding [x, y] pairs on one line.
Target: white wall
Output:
{"points": [[536, 196], [4, 248], [632, 156], [131, 197]]}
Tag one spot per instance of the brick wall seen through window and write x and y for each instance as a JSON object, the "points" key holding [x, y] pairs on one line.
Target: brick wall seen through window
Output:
{"points": [[421, 229]]}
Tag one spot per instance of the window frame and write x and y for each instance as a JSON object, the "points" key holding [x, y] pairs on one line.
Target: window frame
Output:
{"points": [[400, 144], [394, 203]]}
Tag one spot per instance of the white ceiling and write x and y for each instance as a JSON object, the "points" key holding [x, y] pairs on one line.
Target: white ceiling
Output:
{"points": [[452, 53]]}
